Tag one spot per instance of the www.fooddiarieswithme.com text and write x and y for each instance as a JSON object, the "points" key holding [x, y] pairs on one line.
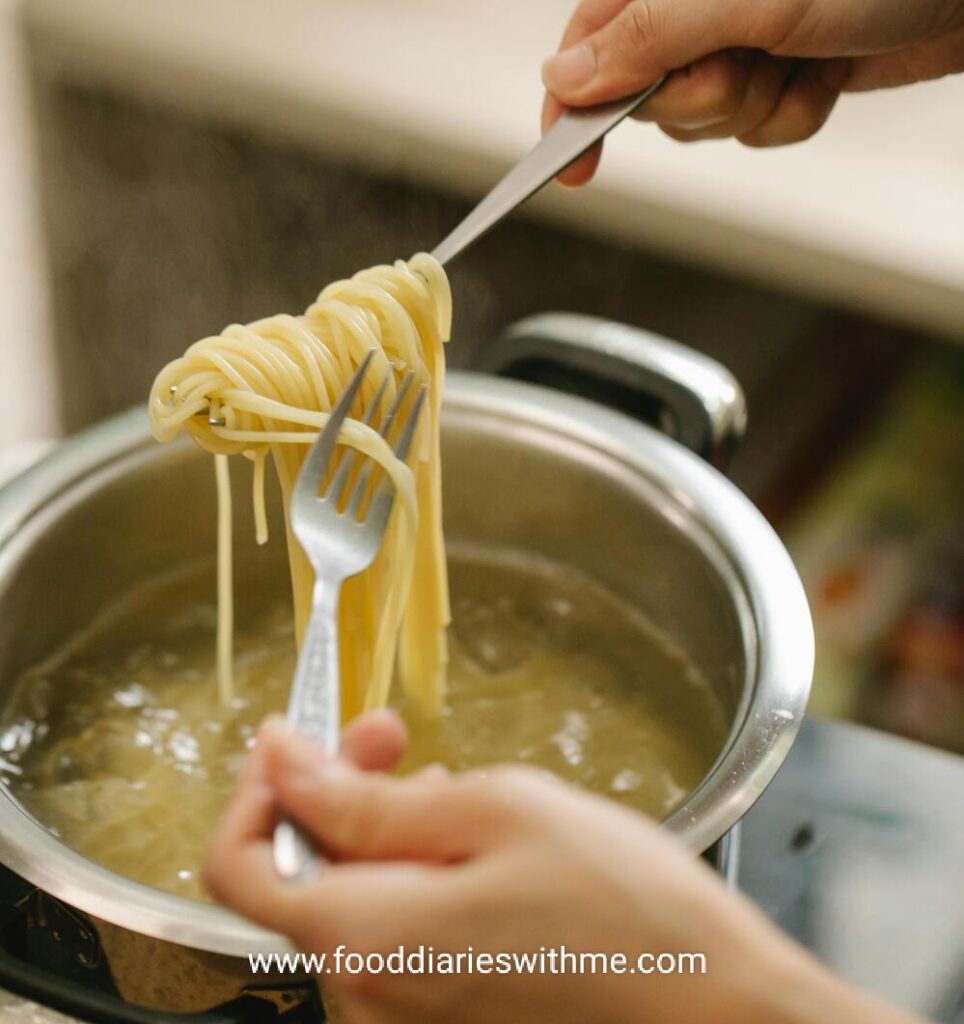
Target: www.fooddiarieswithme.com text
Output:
{"points": [[428, 960]]}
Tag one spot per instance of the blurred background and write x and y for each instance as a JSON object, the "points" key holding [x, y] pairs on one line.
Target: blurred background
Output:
{"points": [[169, 167]]}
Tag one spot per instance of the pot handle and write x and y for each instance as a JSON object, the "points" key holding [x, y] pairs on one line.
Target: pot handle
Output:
{"points": [[688, 395]]}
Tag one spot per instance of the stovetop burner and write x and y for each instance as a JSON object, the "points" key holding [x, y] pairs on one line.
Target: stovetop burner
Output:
{"points": [[856, 850]]}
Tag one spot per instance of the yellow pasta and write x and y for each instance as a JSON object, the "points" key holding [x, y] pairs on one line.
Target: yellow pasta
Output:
{"points": [[266, 388]]}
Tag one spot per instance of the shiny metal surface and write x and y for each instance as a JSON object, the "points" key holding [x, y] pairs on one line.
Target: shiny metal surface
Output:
{"points": [[857, 850], [568, 138], [338, 544], [679, 541], [703, 405]]}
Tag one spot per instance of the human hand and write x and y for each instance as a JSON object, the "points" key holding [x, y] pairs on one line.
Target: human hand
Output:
{"points": [[374, 742], [507, 862], [767, 72]]}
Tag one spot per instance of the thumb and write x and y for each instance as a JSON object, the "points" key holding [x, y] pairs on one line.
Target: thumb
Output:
{"points": [[355, 815], [643, 41]]}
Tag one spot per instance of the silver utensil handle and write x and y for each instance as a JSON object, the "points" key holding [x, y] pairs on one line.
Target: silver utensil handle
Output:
{"points": [[315, 709], [314, 706], [568, 138], [702, 401]]}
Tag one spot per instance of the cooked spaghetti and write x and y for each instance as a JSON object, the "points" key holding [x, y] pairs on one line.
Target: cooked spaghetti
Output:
{"points": [[266, 388], [122, 743]]}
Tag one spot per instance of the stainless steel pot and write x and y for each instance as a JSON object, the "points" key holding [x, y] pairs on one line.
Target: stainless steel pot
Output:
{"points": [[525, 467]]}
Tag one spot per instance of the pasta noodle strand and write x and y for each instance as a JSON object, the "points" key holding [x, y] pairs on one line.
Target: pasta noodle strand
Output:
{"points": [[267, 388]]}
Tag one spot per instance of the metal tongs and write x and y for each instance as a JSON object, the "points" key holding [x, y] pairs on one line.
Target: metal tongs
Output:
{"points": [[340, 535]]}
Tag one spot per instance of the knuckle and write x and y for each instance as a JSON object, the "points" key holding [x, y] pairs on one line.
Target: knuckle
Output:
{"points": [[753, 140], [812, 124], [720, 94], [803, 118], [730, 94], [799, 117], [955, 59], [515, 788], [510, 779], [680, 134], [642, 25], [358, 818], [492, 790], [476, 789]]}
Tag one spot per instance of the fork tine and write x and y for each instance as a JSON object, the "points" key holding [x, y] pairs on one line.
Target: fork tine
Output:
{"points": [[340, 478], [381, 504], [403, 389], [361, 484], [315, 465], [404, 442]]}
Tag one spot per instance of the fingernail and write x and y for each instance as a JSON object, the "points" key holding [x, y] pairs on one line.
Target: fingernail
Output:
{"points": [[570, 70], [834, 73]]}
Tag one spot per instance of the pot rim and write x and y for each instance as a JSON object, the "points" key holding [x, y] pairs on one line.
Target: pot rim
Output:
{"points": [[743, 547]]}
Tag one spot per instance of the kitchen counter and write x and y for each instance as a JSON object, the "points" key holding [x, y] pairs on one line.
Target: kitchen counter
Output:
{"points": [[869, 214]]}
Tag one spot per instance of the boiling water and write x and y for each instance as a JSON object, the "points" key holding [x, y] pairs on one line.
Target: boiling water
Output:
{"points": [[119, 746]]}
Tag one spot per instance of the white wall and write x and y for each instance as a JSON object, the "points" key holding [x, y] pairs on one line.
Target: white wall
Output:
{"points": [[28, 409]]}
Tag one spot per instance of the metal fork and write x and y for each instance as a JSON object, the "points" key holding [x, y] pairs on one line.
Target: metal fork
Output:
{"points": [[568, 138], [339, 542]]}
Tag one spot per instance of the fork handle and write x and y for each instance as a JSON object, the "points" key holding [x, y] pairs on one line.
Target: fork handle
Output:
{"points": [[315, 708], [570, 137]]}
